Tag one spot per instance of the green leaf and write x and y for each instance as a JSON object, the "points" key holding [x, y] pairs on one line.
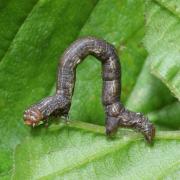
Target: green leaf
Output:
{"points": [[27, 70], [40, 34], [162, 41], [12, 15], [149, 93], [157, 100], [69, 153], [172, 6], [167, 116]]}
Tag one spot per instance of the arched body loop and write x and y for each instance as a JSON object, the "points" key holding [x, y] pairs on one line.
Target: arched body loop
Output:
{"points": [[59, 104]]}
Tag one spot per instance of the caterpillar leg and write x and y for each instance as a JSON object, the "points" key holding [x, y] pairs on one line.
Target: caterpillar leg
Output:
{"points": [[42, 110], [59, 113], [112, 124]]}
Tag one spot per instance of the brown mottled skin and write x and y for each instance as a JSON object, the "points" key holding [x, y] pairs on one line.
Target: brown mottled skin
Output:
{"points": [[59, 104]]}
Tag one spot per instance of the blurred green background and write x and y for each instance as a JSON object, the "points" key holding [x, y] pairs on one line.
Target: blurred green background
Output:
{"points": [[34, 34]]}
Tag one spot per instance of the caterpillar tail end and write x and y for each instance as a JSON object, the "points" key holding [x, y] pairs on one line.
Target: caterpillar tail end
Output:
{"points": [[128, 119], [138, 122], [143, 125]]}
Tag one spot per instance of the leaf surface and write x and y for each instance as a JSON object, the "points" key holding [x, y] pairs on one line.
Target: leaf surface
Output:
{"points": [[72, 153], [12, 15], [162, 41], [40, 34]]}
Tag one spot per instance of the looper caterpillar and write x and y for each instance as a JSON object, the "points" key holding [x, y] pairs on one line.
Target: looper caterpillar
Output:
{"points": [[59, 104]]}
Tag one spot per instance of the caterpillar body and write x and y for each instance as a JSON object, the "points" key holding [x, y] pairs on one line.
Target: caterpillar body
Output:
{"points": [[59, 104]]}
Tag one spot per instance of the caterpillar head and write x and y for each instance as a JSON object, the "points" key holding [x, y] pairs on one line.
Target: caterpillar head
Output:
{"points": [[32, 116]]}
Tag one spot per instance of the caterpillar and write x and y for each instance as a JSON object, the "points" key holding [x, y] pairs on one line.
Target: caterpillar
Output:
{"points": [[59, 104]]}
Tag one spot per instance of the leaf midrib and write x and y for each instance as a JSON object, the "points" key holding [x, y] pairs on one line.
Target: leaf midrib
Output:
{"points": [[167, 8], [130, 138]]}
